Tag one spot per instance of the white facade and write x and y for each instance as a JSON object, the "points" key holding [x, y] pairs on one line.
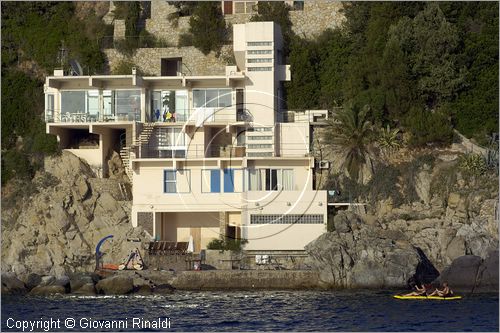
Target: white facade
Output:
{"points": [[208, 156]]}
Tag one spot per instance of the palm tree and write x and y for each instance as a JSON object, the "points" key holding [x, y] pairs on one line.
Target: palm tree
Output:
{"points": [[350, 134]]}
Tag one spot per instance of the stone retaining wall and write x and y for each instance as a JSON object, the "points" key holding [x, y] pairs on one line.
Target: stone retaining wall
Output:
{"points": [[316, 17], [148, 60], [205, 280]]}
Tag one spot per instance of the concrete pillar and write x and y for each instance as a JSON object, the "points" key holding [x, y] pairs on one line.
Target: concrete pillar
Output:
{"points": [[222, 224]]}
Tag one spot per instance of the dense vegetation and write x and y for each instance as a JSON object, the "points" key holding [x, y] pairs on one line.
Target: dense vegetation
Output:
{"points": [[424, 67], [32, 34], [421, 69]]}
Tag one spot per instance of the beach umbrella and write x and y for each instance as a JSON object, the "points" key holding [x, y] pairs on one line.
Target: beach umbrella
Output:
{"points": [[190, 248]]}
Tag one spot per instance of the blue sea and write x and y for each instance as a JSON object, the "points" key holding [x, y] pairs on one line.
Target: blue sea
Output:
{"points": [[251, 311]]}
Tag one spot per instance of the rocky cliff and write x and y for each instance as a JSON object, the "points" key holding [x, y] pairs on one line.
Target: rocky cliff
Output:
{"points": [[452, 214], [54, 227]]}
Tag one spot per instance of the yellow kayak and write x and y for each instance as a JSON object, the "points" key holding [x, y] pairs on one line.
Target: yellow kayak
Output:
{"points": [[450, 298]]}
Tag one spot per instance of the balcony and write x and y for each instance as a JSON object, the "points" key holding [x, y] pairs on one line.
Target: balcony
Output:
{"points": [[193, 151], [303, 116], [55, 116]]}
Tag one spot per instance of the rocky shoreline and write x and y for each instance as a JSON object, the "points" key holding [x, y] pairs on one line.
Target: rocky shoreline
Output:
{"points": [[446, 234], [156, 282]]}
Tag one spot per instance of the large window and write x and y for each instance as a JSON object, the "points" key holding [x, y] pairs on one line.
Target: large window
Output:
{"points": [[233, 180], [128, 104], [169, 105], [210, 182], [270, 179], [287, 219], [211, 98], [177, 181], [171, 142], [80, 105]]}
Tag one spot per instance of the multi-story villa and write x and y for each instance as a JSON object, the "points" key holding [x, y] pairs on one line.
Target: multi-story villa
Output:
{"points": [[208, 156]]}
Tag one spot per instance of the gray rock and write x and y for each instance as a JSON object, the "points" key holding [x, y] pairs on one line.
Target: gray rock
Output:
{"points": [[12, 285], [462, 273], [115, 285], [47, 280], [85, 289], [33, 280], [48, 290], [488, 274], [163, 289], [77, 280]]}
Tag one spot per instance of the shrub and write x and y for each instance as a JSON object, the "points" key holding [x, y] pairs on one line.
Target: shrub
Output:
{"points": [[227, 244], [185, 39], [208, 27], [428, 127], [389, 140], [473, 164]]}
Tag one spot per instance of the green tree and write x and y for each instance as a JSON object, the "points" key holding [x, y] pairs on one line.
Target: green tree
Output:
{"points": [[303, 89], [351, 134], [334, 48], [208, 27]]}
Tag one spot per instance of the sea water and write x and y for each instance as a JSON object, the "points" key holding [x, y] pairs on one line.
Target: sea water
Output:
{"points": [[250, 311]]}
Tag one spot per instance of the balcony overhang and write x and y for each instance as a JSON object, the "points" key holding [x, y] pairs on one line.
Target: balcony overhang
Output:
{"points": [[188, 81], [97, 81]]}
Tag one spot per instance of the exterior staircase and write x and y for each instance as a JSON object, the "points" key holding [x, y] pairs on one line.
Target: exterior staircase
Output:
{"points": [[126, 151]]}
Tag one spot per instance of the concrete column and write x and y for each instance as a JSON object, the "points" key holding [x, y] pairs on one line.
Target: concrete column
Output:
{"points": [[222, 224]]}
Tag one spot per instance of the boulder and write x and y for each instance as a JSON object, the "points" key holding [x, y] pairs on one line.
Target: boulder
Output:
{"points": [[47, 280], [48, 290], [163, 289], [33, 280], [85, 289], [115, 285], [77, 280], [462, 273], [488, 274], [12, 285]]}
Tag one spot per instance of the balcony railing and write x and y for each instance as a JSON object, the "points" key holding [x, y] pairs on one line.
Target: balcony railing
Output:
{"points": [[192, 151], [303, 116], [218, 116], [55, 116]]}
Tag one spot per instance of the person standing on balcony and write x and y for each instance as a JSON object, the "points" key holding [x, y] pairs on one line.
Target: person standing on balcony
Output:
{"points": [[157, 115]]}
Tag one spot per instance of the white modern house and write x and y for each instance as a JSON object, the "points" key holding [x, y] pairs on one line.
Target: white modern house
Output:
{"points": [[208, 156]]}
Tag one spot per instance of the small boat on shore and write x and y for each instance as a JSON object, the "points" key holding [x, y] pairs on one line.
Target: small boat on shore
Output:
{"points": [[449, 298]]}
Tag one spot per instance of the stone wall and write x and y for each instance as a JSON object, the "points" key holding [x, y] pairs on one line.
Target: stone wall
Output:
{"points": [[148, 60], [119, 31], [316, 17]]}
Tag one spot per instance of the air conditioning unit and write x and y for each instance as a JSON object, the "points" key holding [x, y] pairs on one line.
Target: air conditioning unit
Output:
{"points": [[324, 165]]}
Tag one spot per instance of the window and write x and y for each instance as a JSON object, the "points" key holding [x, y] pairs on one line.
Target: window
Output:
{"points": [[259, 43], [271, 180], [169, 181], [260, 51], [254, 180], [73, 101], [260, 129], [287, 219], [212, 98], [260, 137], [176, 181], [93, 102], [257, 146], [259, 154], [233, 180], [49, 108], [171, 142], [171, 137], [128, 104], [257, 60], [210, 182], [287, 180], [259, 69]]}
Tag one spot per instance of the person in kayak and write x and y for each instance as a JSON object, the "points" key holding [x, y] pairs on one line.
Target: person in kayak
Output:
{"points": [[419, 291], [445, 292]]}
